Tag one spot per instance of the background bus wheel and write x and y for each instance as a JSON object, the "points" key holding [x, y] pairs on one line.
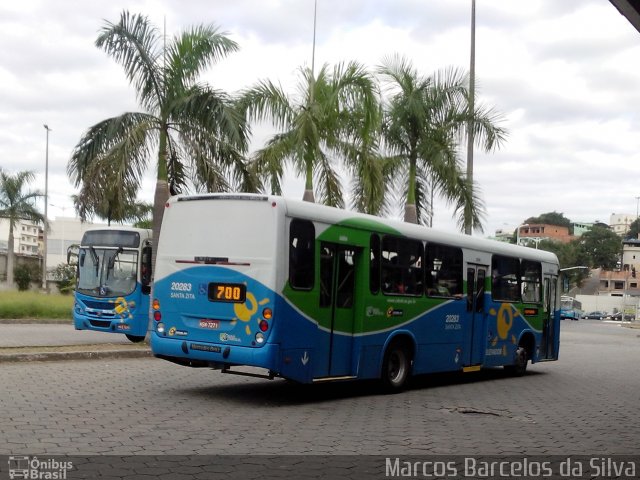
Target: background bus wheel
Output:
{"points": [[519, 368], [135, 338], [396, 367]]}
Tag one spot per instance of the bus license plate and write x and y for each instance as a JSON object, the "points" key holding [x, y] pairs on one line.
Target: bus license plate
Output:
{"points": [[211, 324]]}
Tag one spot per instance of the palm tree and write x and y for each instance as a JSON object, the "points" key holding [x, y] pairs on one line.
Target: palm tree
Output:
{"points": [[113, 201], [318, 125], [15, 204], [424, 120], [198, 133], [108, 206]]}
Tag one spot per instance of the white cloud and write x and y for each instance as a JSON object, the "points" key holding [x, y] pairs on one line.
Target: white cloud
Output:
{"points": [[563, 73]]}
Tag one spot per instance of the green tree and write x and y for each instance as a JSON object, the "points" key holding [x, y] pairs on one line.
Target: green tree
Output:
{"points": [[552, 218], [17, 204], [197, 132], [634, 230], [601, 247], [569, 255], [425, 118], [323, 121]]}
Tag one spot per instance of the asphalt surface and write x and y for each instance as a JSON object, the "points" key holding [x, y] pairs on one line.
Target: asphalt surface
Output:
{"points": [[36, 335], [43, 341], [147, 418]]}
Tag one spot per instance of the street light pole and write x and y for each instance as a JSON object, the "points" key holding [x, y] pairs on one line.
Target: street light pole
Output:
{"points": [[637, 222], [472, 86], [46, 218]]}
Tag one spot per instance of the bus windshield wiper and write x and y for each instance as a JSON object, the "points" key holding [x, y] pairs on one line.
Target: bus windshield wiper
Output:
{"points": [[94, 257]]}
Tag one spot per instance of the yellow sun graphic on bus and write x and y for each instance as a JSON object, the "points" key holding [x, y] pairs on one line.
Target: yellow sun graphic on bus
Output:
{"points": [[123, 308], [245, 311], [504, 322]]}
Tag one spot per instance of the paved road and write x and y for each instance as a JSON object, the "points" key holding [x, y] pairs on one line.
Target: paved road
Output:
{"points": [[587, 403], [21, 335]]}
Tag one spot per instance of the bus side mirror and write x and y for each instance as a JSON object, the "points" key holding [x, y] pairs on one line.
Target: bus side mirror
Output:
{"points": [[145, 269]]}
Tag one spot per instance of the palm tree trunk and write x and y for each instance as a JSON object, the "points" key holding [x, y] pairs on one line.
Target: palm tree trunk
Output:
{"points": [[308, 186], [10, 256], [308, 196], [410, 210], [410, 213]]}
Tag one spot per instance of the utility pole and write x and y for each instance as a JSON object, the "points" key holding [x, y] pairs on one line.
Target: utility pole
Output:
{"points": [[46, 218]]}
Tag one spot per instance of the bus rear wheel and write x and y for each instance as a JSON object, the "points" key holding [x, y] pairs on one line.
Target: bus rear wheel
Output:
{"points": [[396, 367], [135, 338], [519, 367]]}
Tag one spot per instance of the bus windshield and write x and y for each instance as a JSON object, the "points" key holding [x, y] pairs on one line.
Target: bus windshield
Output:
{"points": [[107, 272]]}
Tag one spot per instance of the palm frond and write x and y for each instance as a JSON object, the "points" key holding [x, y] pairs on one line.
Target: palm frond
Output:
{"points": [[192, 52], [136, 44]]}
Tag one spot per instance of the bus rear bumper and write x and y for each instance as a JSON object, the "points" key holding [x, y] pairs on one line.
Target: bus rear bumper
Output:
{"points": [[214, 355]]}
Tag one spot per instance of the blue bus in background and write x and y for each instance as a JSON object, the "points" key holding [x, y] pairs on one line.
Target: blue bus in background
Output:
{"points": [[570, 308], [114, 281]]}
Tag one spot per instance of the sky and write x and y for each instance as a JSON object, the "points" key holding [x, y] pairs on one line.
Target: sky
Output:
{"points": [[565, 75]]}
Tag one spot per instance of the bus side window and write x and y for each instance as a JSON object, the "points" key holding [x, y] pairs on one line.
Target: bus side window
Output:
{"points": [[505, 279], [401, 266], [374, 265], [301, 254], [531, 281], [444, 271]]}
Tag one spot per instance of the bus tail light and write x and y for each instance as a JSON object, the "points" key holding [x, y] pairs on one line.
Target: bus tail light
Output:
{"points": [[264, 326], [157, 315], [156, 304], [267, 313]]}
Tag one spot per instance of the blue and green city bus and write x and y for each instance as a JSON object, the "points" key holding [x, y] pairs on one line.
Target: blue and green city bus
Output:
{"points": [[114, 281], [312, 293]]}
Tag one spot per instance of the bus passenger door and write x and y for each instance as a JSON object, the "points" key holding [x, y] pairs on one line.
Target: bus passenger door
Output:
{"points": [[549, 333], [476, 276], [337, 288]]}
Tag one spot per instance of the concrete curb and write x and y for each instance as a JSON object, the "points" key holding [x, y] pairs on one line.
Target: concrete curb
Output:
{"points": [[73, 355]]}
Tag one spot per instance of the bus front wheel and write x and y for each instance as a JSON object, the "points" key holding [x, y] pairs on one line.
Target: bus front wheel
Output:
{"points": [[396, 367], [135, 338]]}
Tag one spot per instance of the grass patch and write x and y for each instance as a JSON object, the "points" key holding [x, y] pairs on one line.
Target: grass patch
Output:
{"points": [[35, 306]]}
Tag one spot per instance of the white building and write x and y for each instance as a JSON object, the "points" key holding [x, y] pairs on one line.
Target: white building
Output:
{"points": [[28, 237], [619, 223], [64, 232], [25, 235]]}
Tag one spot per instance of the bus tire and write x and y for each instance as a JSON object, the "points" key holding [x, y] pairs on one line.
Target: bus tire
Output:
{"points": [[396, 367], [134, 338], [519, 368]]}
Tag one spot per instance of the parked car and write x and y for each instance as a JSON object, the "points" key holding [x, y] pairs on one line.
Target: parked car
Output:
{"points": [[626, 317], [595, 315]]}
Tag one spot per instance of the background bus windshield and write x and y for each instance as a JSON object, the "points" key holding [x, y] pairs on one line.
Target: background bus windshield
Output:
{"points": [[107, 272]]}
